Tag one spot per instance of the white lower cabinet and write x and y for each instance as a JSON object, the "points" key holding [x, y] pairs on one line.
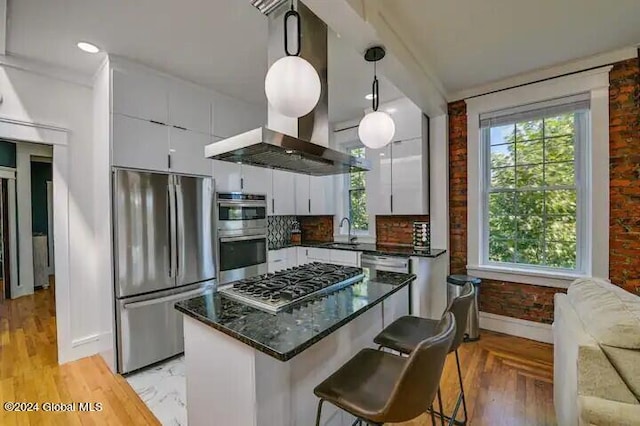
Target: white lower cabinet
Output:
{"points": [[344, 257], [319, 255], [303, 255], [282, 259]]}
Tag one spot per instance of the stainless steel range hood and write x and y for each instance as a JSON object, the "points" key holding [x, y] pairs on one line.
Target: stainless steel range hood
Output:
{"points": [[298, 145]]}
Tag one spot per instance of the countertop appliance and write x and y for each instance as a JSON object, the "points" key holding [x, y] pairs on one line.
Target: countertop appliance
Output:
{"points": [[377, 264], [242, 235], [164, 242], [274, 292]]}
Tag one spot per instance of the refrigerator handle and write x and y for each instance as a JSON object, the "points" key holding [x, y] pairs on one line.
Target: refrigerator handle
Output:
{"points": [[172, 230], [179, 238]]}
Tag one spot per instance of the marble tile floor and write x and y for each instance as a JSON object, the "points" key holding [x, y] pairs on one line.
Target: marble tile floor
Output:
{"points": [[163, 388]]}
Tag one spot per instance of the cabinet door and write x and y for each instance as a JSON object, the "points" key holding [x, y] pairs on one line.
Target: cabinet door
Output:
{"points": [[378, 181], [139, 144], [303, 201], [406, 116], [283, 192], [321, 193], [232, 116], [292, 257], [256, 180], [407, 178], [139, 94], [227, 176], [302, 255], [186, 148], [319, 255], [190, 108]]}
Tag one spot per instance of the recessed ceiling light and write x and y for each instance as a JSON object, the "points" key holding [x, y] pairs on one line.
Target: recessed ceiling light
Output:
{"points": [[391, 110], [369, 96], [87, 47]]}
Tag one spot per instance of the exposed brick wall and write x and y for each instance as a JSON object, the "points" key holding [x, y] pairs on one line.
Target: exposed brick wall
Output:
{"points": [[396, 230], [316, 228], [524, 301], [458, 187], [624, 175], [535, 303]]}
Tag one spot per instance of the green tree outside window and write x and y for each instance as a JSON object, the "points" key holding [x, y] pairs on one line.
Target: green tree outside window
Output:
{"points": [[358, 195]]}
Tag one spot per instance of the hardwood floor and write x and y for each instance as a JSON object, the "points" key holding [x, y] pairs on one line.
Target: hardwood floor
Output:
{"points": [[29, 372], [508, 380]]}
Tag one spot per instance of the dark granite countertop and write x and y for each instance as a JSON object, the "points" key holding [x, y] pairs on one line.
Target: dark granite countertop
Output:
{"points": [[291, 331], [385, 250]]}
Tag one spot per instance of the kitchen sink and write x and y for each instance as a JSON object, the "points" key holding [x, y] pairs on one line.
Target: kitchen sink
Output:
{"points": [[341, 245]]}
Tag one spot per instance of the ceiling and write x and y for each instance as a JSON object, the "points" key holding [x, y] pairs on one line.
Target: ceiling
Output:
{"points": [[222, 44], [471, 43]]}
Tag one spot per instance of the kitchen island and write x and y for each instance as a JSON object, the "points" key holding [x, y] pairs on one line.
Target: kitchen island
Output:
{"points": [[245, 366]]}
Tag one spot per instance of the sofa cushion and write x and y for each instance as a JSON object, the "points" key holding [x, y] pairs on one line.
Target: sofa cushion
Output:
{"points": [[627, 363], [610, 314], [602, 412]]}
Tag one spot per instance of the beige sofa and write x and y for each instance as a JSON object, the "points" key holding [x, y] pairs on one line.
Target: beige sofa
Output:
{"points": [[596, 336]]}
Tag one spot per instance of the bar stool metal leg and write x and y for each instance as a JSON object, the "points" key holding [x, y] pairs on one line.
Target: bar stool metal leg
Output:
{"points": [[433, 417], [440, 407], [464, 401], [319, 412]]}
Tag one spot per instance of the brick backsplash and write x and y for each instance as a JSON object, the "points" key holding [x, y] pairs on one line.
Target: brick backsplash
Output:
{"points": [[316, 228], [396, 230], [535, 303]]}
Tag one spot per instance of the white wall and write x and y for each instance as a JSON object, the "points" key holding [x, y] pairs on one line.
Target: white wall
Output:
{"points": [[32, 97]]}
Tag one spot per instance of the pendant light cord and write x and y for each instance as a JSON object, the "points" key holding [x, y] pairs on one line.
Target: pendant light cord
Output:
{"points": [[292, 13], [375, 101]]}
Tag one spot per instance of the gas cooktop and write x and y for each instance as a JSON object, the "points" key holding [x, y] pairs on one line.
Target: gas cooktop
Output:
{"points": [[274, 292]]}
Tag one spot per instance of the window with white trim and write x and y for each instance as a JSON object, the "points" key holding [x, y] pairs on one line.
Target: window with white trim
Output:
{"points": [[357, 195], [533, 196]]}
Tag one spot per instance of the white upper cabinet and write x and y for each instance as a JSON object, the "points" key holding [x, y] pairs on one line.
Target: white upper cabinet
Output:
{"points": [[186, 151], [303, 196], [407, 177], [139, 144], [378, 181], [283, 194], [407, 118], [398, 181], [231, 116], [228, 176], [189, 107], [256, 180], [346, 136], [139, 94], [321, 194]]}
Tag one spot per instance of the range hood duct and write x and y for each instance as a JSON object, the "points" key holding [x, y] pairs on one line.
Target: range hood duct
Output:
{"points": [[298, 145]]}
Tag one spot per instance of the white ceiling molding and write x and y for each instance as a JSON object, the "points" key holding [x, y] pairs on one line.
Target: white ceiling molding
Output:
{"points": [[47, 70], [3, 27], [546, 73], [365, 26]]}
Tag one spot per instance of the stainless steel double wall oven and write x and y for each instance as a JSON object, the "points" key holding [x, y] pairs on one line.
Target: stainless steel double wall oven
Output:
{"points": [[242, 235]]}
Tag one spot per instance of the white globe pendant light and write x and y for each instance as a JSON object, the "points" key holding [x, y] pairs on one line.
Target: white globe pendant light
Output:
{"points": [[292, 84], [376, 129]]}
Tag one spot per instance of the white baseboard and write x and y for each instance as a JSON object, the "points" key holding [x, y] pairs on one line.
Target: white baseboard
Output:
{"points": [[516, 327], [91, 344]]}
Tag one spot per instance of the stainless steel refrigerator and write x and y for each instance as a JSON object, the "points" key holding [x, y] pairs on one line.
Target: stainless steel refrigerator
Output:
{"points": [[164, 241]]}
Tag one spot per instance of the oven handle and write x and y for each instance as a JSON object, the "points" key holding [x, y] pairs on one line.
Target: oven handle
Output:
{"points": [[243, 238], [260, 203]]}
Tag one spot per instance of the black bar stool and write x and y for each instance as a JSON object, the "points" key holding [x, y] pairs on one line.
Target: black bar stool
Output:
{"points": [[379, 387], [404, 334]]}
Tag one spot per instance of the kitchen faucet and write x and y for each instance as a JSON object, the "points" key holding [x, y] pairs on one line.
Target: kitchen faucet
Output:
{"points": [[350, 239]]}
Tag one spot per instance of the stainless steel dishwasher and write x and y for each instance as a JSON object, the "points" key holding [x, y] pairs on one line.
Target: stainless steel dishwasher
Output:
{"points": [[374, 263]]}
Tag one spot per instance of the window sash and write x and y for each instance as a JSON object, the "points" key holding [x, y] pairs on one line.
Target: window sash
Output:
{"points": [[580, 138]]}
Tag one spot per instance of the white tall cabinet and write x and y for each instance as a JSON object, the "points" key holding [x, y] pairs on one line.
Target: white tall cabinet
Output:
{"points": [[314, 195], [398, 183]]}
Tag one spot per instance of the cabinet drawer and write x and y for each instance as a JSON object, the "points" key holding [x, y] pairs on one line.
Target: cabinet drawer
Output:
{"points": [[344, 257], [318, 254], [276, 255]]}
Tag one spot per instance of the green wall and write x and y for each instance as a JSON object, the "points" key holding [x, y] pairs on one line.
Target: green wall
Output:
{"points": [[40, 174], [7, 154]]}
